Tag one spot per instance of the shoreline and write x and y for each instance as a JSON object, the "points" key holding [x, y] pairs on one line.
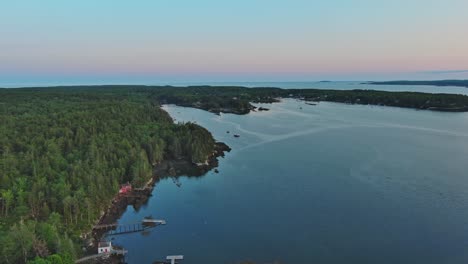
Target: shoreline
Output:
{"points": [[137, 198]]}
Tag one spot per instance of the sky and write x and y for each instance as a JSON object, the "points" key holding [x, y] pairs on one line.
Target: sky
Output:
{"points": [[158, 41]]}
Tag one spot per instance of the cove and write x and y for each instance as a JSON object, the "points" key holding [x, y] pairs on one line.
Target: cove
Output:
{"points": [[331, 183]]}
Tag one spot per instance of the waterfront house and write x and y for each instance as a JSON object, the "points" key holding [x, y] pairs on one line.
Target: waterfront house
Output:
{"points": [[104, 247], [125, 188]]}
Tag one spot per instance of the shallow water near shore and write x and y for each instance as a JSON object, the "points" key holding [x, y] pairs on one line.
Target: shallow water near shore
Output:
{"points": [[331, 183]]}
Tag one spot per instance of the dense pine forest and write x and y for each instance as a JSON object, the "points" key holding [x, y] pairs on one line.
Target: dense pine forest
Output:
{"points": [[64, 151], [64, 154]]}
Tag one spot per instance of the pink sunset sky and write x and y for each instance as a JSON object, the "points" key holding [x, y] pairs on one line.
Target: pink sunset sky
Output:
{"points": [[243, 40]]}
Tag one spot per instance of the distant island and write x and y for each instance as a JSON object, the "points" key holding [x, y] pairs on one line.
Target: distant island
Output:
{"points": [[459, 83]]}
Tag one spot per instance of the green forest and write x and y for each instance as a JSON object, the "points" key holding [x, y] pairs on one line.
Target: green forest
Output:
{"points": [[64, 154], [459, 83], [64, 151], [237, 99]]}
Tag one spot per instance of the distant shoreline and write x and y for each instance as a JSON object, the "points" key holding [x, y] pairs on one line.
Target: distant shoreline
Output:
{"points": [[439, 83], [239, 99], [165, 169]]}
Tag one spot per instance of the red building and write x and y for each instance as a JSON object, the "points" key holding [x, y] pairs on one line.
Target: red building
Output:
{"points": [[125, 188]]}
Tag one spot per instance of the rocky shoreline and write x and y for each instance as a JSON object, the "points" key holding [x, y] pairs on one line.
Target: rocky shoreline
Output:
{"points": [[137, 198]]}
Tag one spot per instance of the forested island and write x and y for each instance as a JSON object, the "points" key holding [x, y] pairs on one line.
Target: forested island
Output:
{"points": [[64, 151], [460, 83]]}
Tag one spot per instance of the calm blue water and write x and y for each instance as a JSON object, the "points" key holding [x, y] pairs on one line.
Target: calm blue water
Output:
{"points": [[332, 183]]}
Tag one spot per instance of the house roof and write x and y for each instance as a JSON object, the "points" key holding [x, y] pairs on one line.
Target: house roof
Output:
{"points": [[104, 244]]}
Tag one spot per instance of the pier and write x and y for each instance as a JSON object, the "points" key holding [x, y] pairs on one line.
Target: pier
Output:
{"points": [[118, 229], [154, 221], [105, 249]]}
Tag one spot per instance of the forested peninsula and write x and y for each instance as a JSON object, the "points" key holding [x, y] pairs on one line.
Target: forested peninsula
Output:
{"points": [[64, 151], [64, 154]]}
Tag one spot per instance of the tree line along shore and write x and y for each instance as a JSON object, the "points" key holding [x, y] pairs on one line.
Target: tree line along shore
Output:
{"points": [[238, 99], [64, 154], [64, 151], [455, 83]]}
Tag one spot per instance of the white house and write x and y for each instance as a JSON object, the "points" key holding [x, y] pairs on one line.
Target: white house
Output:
{"points": [[104, 247]]}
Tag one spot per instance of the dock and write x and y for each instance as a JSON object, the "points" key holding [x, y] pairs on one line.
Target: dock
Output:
{"points": [[154, 221], [126, 229], [118, 229]]}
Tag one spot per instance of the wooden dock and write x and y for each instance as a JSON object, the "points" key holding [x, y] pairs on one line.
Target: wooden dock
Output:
{"points": [[154, 221], [129, 228], [118, 229]]}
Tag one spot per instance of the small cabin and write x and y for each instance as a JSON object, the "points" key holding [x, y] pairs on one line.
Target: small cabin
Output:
{"points": [[125, 188], [104, 247]]}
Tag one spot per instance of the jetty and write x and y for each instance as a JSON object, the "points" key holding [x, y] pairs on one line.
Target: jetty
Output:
{"points": [[105, 248], [170, 260], [154, 221], [174, 258], [118, 229]]}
